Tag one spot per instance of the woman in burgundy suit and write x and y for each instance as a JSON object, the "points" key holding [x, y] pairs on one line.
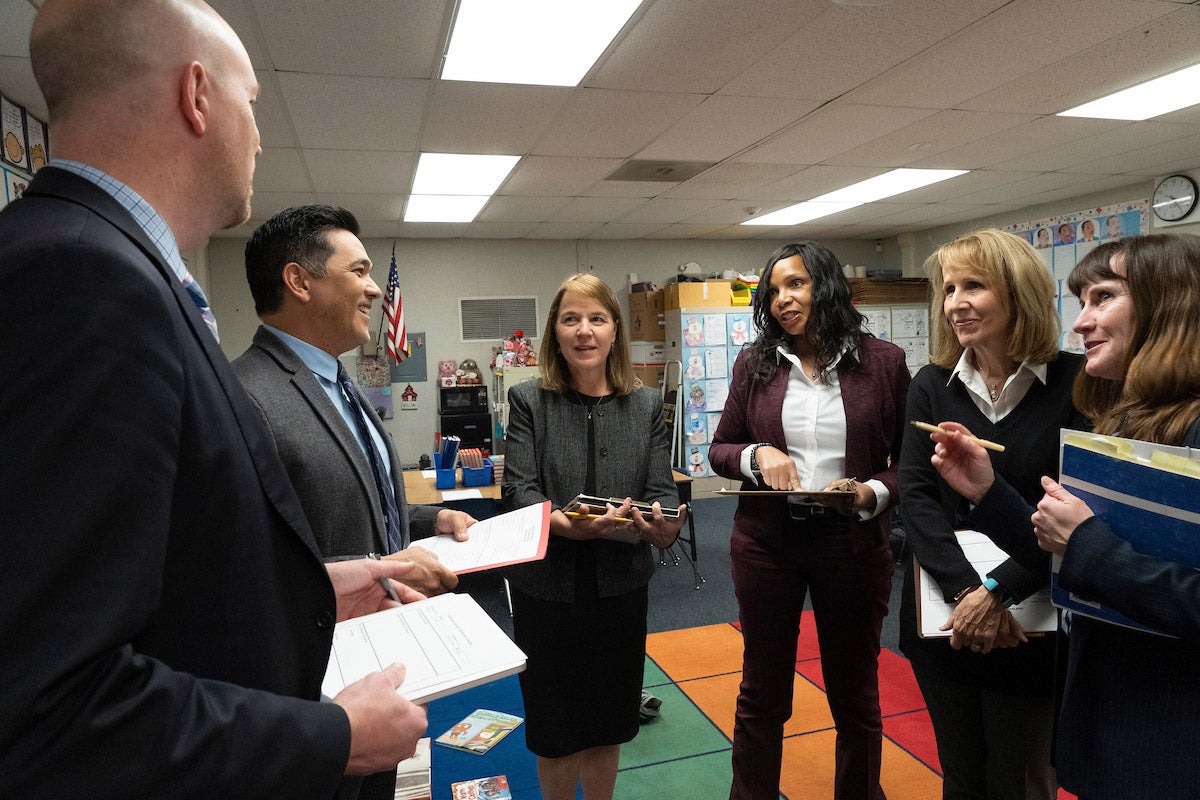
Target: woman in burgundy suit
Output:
{"points": [[814, 403]]}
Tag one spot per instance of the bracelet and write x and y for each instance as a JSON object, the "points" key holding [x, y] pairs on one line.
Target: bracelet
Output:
{"points": [[754, 470], [994, 588], [958, 597]]}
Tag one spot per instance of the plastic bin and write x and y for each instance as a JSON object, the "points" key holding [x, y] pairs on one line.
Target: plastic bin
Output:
{"points": [[443, 478], [478, 477]]}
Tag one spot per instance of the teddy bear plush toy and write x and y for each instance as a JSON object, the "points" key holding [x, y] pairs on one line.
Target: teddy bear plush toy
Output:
{"points": [[446, 372]]}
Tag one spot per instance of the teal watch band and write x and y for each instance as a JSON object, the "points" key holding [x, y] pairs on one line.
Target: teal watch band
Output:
{"points": [[992, 586]]}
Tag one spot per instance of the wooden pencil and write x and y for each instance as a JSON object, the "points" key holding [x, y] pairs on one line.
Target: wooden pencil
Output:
{"points": [[984, 443]]}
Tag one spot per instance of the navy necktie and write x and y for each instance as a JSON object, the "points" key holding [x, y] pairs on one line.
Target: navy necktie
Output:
{"points": [[391, 517]]}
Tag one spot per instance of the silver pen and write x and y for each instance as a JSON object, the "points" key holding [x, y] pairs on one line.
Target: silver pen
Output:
{"points": [[384, 582]]}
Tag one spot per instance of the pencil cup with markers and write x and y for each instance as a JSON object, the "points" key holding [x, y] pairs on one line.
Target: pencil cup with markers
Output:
{"points": [[443, 478]]}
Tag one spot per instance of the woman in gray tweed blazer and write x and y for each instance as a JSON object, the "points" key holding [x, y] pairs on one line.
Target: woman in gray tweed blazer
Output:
{"points": [[587, 426]]}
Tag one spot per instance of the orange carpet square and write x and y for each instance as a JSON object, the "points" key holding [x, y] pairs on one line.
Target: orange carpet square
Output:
{"points": [[697, 652], [717, 698]]}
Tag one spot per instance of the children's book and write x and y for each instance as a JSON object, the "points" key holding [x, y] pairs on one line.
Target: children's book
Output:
{"points": [[412, 774], [494, 788], [479, 730]]}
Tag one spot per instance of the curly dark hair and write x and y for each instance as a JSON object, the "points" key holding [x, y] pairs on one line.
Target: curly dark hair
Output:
{"points": [[834, 325]]}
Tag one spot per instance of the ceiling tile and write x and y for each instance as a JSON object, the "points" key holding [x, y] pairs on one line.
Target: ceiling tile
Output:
{"points": [[394, 40], [832, 130], [521, 209], [723, 126], [489, 118], [498, 230], [664, 211], [611, 124], [352, 172], [1002, 47], [1128, 136], [369, 207], [339, 112], [625, 230], [846, 46], [548, 176], [730, 180], [595, 209], [563, 230], [699, 45], [941, 131], [1162, 45]]}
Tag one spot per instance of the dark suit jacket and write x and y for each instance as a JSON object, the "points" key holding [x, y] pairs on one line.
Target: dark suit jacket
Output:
{"points": [[873, 398], [166, 617], [328, 468]]}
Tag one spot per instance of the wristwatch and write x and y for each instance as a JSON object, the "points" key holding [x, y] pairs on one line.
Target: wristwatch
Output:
{"points": [[754, 470], [997, 592]]}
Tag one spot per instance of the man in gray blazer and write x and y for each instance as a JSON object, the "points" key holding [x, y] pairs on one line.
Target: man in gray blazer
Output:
{"points": [[311, 281]]}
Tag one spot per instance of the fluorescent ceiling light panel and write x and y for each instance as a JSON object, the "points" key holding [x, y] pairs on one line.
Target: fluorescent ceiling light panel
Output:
{"points": [[888, 184], [801, 212], [452, 173], [898, 181], [443, 208], [543, 42], [1150, 99]]}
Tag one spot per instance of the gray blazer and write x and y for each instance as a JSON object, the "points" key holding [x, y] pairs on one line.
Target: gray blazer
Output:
{"points": [[326, 465], [545, 460]]}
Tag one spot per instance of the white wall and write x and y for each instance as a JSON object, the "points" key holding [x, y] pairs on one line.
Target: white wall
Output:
{"points": [[434, 273]]}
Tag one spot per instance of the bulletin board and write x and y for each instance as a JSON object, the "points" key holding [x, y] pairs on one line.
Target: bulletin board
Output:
{"points": [[1063, 240], [413, 368]]}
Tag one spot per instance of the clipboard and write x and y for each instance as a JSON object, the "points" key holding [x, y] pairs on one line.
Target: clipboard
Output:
{"points": [[600, 504], [844, 497], [1036, 614]]}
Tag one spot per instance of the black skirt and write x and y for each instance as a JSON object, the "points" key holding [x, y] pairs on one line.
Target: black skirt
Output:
{"points": [[582, 684]]}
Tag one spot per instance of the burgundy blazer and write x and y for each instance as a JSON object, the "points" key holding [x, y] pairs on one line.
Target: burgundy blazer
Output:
{"points": [[873, 395]]}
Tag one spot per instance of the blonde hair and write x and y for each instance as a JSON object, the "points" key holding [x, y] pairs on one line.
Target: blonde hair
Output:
{"points": [[619, 367], [1014, 271]]}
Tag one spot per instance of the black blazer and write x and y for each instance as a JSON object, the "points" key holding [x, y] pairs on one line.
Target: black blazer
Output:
{"points": [[166, 618]]}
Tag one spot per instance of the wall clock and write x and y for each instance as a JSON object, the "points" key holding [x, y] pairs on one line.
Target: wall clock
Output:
{"points": [[1174, 198]]}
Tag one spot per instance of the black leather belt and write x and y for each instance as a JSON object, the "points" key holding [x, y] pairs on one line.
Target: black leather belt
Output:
{"points": [[804, 512]]}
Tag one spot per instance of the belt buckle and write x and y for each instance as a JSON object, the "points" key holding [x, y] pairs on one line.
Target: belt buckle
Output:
{"points": [[801, 511]]}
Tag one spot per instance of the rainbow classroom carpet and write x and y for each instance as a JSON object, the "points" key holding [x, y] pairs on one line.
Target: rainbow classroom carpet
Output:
{"points": [[685, 752]]}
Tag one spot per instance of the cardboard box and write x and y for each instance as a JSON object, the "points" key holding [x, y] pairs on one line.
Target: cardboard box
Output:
{"points": [[646, 326], [693, 295], [648, 352], [646, 301], [650, 374]]}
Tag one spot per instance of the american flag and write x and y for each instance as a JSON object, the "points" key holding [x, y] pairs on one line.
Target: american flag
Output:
{"points": [[393, 309]]}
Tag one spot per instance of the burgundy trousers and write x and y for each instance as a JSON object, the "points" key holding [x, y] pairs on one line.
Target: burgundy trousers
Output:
{"points": [[849, 577]]}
